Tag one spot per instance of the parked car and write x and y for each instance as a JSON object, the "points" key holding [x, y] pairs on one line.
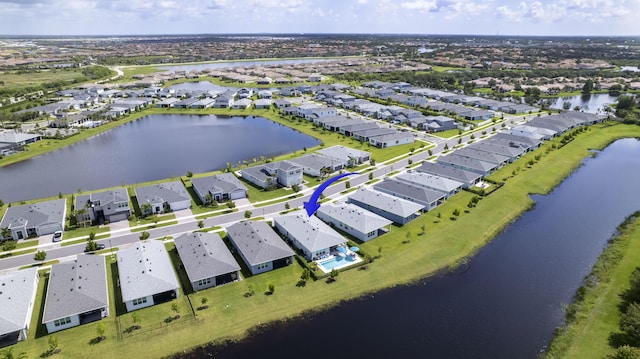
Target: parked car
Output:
{"points": [[57, 236]]}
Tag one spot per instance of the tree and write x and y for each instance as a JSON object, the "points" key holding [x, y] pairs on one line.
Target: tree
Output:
{"points": [[176, 309], [91, 246], [40, 256], [101, 329], [247, 214], [347, 184], [5, 232], [626, 104], [306, 274], [1, 203], [296, 188], [189, 174], [588, 86], [372, 162], [200, 224], [272, 288], [144, 235], [204, 302], [370, 175], [53, 344], [9, 245], [446, 146], [92, 236], [287, 206], [231, 204], [633, 293], [630, 322], [146, 209], [456, 212], [625, 352], [334, 275]]}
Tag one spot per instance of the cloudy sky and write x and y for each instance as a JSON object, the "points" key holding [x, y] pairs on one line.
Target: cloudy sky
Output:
{"points": [[504, 17]]}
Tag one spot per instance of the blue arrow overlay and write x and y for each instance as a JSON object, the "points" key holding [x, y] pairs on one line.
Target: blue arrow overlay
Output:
{"points": [[312, 206]]}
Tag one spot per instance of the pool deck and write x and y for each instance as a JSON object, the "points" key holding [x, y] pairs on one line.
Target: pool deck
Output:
{"points": [[347, 263]]}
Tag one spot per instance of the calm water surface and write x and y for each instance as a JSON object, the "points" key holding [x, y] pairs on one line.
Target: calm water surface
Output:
{"points": [[505, 304], [218, 65], [151, 148], [593, 103]]}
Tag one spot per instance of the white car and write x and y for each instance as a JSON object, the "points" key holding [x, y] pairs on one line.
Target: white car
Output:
{"points": [[57, 236]]}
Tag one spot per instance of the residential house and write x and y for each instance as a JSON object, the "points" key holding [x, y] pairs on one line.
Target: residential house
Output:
{"points": [[310, 235], [483, 156], [345, 156], [321, 112], [269, 175], [11, 141], [259, 246], [468, 164], [77, 293], [392, 208], [242, 104], [441, 184], [306, 109], [395, 139], [162, 197], [428, 198], [146, 275], [206, 259], [34, 220], [512, 152], [282, 103], [354, 220], [262, 103], [99, 207], [314, 164], [468, 178], [221, 187], [17, 300]]}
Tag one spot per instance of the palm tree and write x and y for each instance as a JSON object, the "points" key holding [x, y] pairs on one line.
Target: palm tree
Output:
{"points": [[5, 233]]}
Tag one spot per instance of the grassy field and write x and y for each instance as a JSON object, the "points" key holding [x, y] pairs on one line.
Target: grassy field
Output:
{"points": [[17, 81], [597, 314], [444, 244]]}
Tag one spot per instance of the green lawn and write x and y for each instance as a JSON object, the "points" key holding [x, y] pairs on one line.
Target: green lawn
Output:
{"points": [[17, 81]]}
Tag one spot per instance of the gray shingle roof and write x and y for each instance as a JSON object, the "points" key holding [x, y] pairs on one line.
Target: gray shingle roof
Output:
{"points": [[145, 269], [76, 287], [385, 202], [33, 215], [162, 192], [258, 242], [105, 197], [494, 147], [311, 232], [467, 177], [360, 219], [224, 183], [409, 190], [342, 153], [16, 291], [467, 162], [314, 161], [482, 155], [205, 255]]}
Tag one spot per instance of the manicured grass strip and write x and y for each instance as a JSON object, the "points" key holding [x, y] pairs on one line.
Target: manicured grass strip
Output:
{"points": [[26, 244], [13, 253], [49, 263], [595, 314], [152, 226]]}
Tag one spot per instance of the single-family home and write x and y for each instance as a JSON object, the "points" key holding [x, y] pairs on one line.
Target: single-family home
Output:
{"points": [[305, 109], [162, 197], [77, 293], [220, 188], [310, 235], [441, 184], [269, 175], [167, 103], [146, 275], [242, 104], [262, 103], [354, 220], [394, 139], [259, 246], [490, 157], [13, 141], [245, 93], [468, 164], [17, 300], [392, 208], [314, 164], [206, 259], [321, 112], [111, 205], [512, 152], [34, 220], [428, 198], [529, 143], [347, 157], [282, 103], [468, 178]]}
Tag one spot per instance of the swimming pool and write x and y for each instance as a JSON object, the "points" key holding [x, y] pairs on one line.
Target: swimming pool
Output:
{"points": [[337, 262]]}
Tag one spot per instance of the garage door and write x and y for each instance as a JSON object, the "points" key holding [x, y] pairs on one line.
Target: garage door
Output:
{"points": [[117, 217], [48, 228]]}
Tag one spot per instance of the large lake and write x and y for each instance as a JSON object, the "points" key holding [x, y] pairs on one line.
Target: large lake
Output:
{"points": [[505, 303], [218, 65], [150, 148]]}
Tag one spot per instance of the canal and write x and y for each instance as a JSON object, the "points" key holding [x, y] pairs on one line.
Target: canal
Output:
{"points": [[505, 303]]}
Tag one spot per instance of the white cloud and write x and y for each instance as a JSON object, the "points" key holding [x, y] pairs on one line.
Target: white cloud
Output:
{"points": [[420, 5], [566, 10]]}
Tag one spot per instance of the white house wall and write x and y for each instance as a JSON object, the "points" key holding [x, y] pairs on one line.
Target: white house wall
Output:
{"points": [[51, 328]]}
